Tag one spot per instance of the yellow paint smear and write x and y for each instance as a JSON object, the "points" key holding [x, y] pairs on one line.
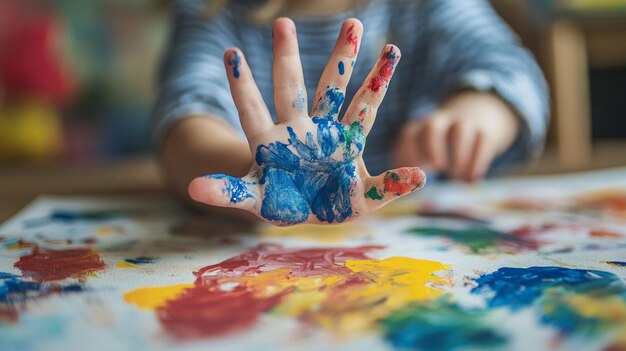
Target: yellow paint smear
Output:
{"points": [[393, 284], [611, 309], [403, 207], [316, 232], [125, 265], [154, 297], [352, 302], [104, 231]]}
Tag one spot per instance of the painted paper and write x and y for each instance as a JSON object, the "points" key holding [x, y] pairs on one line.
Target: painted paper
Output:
{"points": [[487, 267]]}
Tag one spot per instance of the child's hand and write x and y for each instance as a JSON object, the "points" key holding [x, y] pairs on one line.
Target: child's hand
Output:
{"points": [[461, 138], [308, 169]]}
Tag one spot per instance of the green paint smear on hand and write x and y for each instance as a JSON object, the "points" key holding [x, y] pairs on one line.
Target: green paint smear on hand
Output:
{"points": [[374, 194], [354, 133], [440, 326]]}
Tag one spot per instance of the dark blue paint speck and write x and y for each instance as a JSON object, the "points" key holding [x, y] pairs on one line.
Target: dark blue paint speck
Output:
{"points": [[234, 61]]}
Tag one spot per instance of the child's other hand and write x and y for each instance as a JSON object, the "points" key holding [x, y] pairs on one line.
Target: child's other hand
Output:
{"points": [[461, 138], [308, 169]]}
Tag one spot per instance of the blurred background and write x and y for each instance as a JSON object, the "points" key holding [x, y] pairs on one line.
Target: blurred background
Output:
{"points": [[76, 88], [76, 78]]}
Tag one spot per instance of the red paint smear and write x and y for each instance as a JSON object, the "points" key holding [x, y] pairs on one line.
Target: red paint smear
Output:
{"points": [[402, 181], [362, 114], [529, 230], [301, 262], [352, 39], [385, 72], [207, 311], [45, 265], [8, 315]]}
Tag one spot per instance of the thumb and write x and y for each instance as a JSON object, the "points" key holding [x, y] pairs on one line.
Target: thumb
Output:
{"points": [[224, 191], [382, 189]]}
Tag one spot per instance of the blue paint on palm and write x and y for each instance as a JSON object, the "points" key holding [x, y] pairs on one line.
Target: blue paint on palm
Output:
{"points": [[236, 188], [314, 175], [341, 68]]}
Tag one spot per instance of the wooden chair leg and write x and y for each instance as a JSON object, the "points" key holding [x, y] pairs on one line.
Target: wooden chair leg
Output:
{"points": [[570, 80]]}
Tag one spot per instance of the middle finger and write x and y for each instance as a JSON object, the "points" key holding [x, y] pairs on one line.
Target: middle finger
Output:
{"points": [[331, 90]]}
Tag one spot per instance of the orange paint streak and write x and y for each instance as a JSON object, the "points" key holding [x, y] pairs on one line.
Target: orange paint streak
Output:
{"points": [[599, 233]]}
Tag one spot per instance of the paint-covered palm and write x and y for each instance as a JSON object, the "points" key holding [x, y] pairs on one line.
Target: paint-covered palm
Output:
{"points": [[308, 169]]}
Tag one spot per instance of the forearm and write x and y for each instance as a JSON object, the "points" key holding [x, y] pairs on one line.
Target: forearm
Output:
{"points": [[199, 145]]}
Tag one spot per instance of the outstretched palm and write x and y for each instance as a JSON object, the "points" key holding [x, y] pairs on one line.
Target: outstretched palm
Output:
{"points": [[308, 169]]}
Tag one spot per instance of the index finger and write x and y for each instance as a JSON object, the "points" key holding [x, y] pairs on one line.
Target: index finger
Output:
{"points": [[254, 116]]}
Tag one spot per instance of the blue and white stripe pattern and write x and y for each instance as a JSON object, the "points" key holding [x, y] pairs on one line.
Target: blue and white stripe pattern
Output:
{"points": [[446, 45]]}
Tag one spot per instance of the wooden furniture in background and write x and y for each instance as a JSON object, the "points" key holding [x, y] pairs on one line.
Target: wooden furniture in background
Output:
{"points": [[578, 35]]}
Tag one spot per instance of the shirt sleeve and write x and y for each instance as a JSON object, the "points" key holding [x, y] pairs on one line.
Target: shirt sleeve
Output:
{"points": [[469, 46], [192, 78]]}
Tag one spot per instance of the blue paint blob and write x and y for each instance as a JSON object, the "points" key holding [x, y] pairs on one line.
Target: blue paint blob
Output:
{"points": [[14, 290], [71, 216], [141, 260], [554, 292], [5, 275], [234, 61], [314, 175], [236, 188], [521, 287], [617, 263], [330, 103], [342, 69], [283, 202]]}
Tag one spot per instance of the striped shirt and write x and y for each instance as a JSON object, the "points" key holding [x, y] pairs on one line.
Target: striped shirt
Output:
{"points": [[446, 45]]}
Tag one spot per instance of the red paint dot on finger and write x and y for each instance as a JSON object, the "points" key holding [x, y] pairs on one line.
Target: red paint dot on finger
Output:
{"points": [[403, 181], [362, 114], [386, 70], [352, 39]]}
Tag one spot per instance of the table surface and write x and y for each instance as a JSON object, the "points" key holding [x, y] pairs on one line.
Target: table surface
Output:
{"points": [[20, 184]]}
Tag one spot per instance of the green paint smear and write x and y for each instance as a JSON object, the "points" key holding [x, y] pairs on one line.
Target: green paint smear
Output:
{"points": [[374, 194], [353, 133], [479, 238], [440, 326]]}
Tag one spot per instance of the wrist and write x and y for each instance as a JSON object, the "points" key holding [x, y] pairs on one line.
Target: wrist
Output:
{"points": [[199, 145]]}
